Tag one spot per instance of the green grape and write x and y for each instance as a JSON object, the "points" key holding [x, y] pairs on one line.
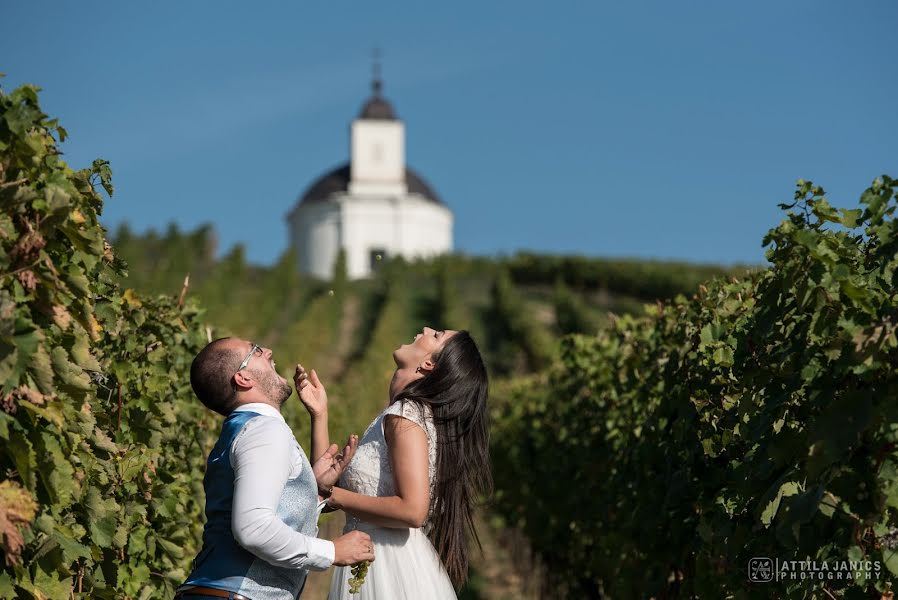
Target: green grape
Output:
{"points": [[358, 576]]}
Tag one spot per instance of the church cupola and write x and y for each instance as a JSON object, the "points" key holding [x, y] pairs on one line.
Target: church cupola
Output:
{"points": [[377, 147], [372, 206], [377, 108]]}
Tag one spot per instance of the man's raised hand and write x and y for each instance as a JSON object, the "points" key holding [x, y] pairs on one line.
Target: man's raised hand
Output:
{"points": [[330, 465], [311, 391]]}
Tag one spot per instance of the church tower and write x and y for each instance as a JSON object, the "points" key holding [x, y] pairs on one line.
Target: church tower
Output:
{"points": [[377, 147], [372, 207]]}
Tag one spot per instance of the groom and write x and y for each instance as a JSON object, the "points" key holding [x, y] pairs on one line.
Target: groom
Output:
{"points": [[263, 498]]}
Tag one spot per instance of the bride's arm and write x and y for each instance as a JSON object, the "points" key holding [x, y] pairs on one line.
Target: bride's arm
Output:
{"points": [[407, 444], [320, 436], [314, 397]]}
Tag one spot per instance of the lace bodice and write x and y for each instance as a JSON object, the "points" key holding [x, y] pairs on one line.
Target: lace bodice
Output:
{"points": [[370, 472]]}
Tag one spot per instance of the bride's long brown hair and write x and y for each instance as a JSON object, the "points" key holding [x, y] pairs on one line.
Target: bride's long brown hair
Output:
{"points": [[456, 391]]}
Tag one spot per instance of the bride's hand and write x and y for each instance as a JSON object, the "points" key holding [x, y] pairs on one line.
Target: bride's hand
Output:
{"points": [[311, 391]]}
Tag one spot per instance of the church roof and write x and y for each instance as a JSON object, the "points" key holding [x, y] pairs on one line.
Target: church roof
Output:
{"points": [[377, 108], [337, 181]]}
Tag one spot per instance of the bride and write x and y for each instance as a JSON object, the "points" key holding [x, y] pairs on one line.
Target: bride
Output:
{"points": [[418, 471]]}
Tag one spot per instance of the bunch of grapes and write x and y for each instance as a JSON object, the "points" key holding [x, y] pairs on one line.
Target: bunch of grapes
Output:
{"points": [[890, 539], [358, 576]]}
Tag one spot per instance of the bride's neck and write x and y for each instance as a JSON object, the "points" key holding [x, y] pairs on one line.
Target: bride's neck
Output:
{"points": [[400, 380]]}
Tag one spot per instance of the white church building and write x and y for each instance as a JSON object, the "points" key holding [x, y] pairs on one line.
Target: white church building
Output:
{"points": [[374, 207]]}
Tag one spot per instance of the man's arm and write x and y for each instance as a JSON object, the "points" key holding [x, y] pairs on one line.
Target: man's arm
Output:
{"points": [[262, 460], [330, 465]]}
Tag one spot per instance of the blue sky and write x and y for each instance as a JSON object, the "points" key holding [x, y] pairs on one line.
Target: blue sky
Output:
{"points": [[648, 129]]}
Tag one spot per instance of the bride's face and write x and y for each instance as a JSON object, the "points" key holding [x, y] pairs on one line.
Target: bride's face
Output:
{"points": [[421, 348]]}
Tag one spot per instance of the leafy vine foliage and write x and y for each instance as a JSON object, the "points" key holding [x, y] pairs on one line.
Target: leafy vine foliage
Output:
{"points": [[101, 444], [757, 418], [641, 279]]}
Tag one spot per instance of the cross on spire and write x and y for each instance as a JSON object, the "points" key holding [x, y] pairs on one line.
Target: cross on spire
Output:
{"points": [[376, 83]]}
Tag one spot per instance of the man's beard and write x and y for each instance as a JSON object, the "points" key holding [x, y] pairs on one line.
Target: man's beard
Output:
{"points": [[275, 388]]}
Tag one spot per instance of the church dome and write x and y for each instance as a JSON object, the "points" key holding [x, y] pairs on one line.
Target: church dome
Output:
{"points": [[337, 181], [377, 108]]}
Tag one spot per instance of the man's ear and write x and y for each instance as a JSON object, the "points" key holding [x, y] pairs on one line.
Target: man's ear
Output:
{"points": [[244, 379]]}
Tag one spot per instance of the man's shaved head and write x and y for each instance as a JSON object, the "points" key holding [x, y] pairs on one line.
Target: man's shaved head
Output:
{"points": [[211, 373]]}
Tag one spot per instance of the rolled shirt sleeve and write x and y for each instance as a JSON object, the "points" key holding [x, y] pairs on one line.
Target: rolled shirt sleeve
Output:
{"points": [[263, 460]]}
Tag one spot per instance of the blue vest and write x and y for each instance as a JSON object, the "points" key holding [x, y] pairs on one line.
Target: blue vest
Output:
{"points": [[222, 563]]}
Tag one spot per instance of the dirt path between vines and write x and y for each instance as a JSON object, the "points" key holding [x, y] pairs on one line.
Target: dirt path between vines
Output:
{"points": [[318, 583], [349, 322], [505, 570]]}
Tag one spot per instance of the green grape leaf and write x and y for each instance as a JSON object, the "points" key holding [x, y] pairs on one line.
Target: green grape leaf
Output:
{"points": [[176, 551], [82, 356], [42, 371], [69, 373], [890, 558], [788, 488]]}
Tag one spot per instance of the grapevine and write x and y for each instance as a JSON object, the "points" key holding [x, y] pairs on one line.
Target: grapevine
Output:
{"points": [[646, 280], [513, 323], [101, 443], [756, 418]]}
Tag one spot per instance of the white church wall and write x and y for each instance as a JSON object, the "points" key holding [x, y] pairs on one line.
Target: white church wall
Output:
{"points": [[368, 224], [425, 228], [410, 227], [316, 236]]}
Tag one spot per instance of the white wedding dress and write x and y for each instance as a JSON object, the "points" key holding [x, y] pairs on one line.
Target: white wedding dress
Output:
{"points": [[406, 565]]}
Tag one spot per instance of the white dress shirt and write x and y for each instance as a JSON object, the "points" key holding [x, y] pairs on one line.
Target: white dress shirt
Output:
{"points": [[264, 456]]}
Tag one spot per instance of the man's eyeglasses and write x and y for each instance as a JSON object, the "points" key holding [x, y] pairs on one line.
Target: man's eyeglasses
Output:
{"points": [[257, 350]]}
